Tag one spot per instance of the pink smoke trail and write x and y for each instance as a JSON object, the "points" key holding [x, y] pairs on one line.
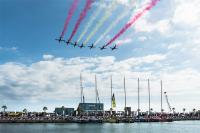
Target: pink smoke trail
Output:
{"points": [[69, 16], [132, 21], [81, 17]]}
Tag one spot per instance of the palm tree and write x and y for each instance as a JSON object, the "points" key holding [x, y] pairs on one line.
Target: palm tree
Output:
{"points": [[184, 109], [194, 111], [25, 111], [151, 110], [4, 107], [173, 109], [45, 109]]}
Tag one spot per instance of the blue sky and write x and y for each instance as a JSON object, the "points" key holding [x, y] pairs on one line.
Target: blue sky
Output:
{"points": [[163, 44], [31, 27]]}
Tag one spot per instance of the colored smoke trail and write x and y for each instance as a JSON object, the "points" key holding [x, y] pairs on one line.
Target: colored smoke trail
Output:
{"points": [[81, 17], [113, 24], [93, 17], [101, 22], [69, 16], [132, 21]]}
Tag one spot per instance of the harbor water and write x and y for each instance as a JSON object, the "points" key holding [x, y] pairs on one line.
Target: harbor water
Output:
{"points": [[171, 127]]}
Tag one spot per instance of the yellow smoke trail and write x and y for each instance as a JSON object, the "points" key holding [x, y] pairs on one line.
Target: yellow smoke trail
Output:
{"points": [[93, 17], [101, 22], [113, 24]]}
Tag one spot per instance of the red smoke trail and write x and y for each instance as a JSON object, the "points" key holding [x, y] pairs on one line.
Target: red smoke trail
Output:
{"points": [[81, 17], [70, 14], [132, 21]]}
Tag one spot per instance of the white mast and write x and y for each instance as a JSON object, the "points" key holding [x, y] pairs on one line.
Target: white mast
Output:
{"points": [[125, 93]]}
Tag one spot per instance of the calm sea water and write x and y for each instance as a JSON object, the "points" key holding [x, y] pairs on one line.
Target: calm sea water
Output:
{"points": [[174, 127]]}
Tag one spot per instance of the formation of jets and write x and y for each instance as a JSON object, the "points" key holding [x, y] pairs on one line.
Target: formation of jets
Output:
{"points": [[92, 46]]}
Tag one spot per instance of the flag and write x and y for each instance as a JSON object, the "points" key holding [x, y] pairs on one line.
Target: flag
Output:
{"points": [[113, 101]]}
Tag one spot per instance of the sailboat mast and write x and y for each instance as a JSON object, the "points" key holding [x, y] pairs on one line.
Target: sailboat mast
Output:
{"points": [[111, 90], [81, 87], [125, 91], [161, 99], [138, 97], [149, 96], [96, 88]]}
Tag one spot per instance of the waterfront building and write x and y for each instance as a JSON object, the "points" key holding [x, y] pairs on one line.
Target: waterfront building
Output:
{"points": [[64, 111], [90, 108], [127, 111]]}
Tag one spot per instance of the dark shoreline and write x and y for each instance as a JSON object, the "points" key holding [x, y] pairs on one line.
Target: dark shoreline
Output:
{"points": [[71, 121]]}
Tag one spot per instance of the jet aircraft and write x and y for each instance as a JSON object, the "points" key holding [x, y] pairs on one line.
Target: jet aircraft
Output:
{"points": [[68, 42], [81, 46], [103, 47], [92, 46], [75, 44], [60, 39], [114, 48]]}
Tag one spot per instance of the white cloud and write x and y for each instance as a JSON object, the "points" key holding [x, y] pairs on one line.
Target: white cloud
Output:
{"points": [[12, 49], [187, 13], [174, 46], [161, 26], [183, 13], [124, 41], [50, 78], [188, 49], [48, 57], [126, 2], [142, 38], [132, 4], [129, 3], [58, 78], [182, 81]]}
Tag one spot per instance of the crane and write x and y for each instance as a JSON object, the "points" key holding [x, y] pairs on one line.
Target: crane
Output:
{"points": [[166, 97]]}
